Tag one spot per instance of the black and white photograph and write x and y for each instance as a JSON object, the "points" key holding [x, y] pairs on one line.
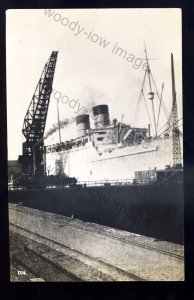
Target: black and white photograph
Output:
{"points": [[95, 144]]}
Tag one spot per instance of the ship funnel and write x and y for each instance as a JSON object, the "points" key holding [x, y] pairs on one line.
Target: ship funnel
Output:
{"points": [[82, 123], [101, 116]]}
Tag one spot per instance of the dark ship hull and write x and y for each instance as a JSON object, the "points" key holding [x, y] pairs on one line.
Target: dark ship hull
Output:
{"points": [[155, 210]]}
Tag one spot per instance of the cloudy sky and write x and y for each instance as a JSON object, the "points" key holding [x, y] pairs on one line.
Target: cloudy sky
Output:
{"points": [[90, 70]]}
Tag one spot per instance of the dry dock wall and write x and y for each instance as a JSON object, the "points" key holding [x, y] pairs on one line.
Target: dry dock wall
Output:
{"points": [[152, 210]]}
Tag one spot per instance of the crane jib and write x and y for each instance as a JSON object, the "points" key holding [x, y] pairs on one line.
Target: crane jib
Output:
{"points": [[35, 120]]}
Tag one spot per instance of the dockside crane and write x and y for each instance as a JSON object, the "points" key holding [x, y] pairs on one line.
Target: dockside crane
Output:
{"points": [[35, 121], [175, 130]]}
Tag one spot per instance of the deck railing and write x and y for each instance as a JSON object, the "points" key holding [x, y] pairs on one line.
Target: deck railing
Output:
{"points": [[106, 182]]}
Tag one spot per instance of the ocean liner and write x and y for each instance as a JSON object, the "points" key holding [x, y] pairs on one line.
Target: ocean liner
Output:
{"points": [[115, 151], [126, 177], [108, 152]]}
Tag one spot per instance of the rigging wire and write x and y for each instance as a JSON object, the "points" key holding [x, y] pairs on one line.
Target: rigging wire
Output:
{"points": [[140, 96], [177, 127], [163, 126], [150, 86], [167, 124], [169, 121], [160, 105], [171, 126], [157, 93], [147, 110]]}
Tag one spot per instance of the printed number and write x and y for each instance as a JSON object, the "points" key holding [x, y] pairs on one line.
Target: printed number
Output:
{"points": [[21, 273]]}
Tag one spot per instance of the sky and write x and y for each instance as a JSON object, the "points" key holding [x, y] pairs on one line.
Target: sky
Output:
{"points": [[90, 69]]}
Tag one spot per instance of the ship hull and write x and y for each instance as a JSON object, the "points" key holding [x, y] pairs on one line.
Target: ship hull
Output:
{"points": [[153, 210]]}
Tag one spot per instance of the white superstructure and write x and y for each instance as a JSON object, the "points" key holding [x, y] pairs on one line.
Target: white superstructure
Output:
{"points": [[90, 163]]}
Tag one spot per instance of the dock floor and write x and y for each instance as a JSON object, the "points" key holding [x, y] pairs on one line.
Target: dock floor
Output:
{"points": [[50, 247]]}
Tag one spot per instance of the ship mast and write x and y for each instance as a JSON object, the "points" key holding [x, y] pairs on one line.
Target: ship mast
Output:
{"points": [[154, 121], [151, 93]]}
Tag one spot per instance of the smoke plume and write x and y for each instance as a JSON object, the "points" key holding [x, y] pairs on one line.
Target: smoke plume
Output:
{"points": [[55, 127]]}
